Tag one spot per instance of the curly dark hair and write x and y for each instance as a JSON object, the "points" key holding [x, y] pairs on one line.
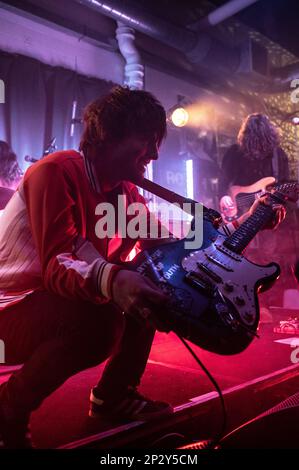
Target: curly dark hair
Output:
{"points": [[122, 113], [258, 137], [10, 172]]}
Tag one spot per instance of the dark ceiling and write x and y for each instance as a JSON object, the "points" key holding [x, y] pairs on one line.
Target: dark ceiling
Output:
{"points": [[276, 19]]}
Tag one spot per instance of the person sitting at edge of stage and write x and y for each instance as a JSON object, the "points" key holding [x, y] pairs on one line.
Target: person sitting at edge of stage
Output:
{"points": [[62, 292], [10, 173]]}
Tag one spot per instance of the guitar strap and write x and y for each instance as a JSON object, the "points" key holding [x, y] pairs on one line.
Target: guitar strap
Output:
{"points": [[171, 196]]}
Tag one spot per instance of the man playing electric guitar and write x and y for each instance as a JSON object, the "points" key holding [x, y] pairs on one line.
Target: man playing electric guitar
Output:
{"points": [[251, 165], [62, 290]]}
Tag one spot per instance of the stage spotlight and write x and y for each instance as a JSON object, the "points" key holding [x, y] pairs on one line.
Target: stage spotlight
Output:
{"points": [[179, 117], [295, 120]]}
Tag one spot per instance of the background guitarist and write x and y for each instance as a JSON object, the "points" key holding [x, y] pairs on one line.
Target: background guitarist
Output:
{"points": [[256, 155]]}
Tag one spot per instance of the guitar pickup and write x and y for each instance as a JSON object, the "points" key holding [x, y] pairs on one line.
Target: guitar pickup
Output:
{"points": [[219, 262], [209, 272], [195, 280]]}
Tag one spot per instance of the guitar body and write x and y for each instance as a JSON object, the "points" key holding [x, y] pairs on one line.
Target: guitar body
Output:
{"points": [[259, 185], [213, 291]]}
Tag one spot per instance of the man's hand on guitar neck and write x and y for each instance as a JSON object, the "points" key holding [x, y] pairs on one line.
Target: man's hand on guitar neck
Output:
{"points": [[280, 212]]}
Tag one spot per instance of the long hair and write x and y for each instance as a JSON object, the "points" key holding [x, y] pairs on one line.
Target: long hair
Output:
{"points": [[122, 113], [258, 137], [10, 172]]}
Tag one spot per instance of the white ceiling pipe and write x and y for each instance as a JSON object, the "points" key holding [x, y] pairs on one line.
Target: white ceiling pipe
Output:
{"points": [[134, 70], [224, 12]]}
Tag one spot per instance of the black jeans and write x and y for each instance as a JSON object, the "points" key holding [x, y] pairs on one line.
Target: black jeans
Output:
{"points": [[55, 338]]}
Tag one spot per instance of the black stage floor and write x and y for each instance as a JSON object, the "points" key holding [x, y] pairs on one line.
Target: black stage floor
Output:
{"points": [[252, 381]]}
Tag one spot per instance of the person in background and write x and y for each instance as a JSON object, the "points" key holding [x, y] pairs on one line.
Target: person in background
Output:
{"points": [[10, 173], [257, 154]]}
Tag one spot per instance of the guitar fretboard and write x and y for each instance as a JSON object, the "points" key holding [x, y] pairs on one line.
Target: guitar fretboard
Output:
{"points": [[239, 240], [245, 200]]}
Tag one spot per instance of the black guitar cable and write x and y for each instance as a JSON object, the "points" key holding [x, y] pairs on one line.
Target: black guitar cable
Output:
{"points": [[213, 443], [207, 444]]}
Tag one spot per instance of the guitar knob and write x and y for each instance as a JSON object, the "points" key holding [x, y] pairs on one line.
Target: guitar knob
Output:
{"points": [[239, 300], [229, 286]]}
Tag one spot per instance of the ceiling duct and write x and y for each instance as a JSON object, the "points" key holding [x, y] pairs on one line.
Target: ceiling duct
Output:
{"points": [[222, 13], [199, 47], [248, 59]]}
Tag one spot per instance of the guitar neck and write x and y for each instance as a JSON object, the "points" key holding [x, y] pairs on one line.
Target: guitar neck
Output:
{"points": [[285, 188], [240, 239]]}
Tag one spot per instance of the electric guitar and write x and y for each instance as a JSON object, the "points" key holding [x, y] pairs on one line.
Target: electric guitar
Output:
{"points": [[244, 196], [212, 290]]}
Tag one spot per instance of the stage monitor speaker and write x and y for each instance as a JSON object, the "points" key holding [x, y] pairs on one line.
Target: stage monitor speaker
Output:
{"points": [[277, 427]]}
